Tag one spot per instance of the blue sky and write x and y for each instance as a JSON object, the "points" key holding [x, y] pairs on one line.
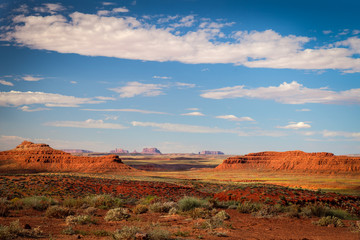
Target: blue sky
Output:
{"points": [[182, 76]]}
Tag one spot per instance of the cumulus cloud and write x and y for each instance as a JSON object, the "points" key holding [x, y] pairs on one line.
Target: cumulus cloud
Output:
{"points": [[288, 93], [51, 8], [17, 98], [28, 109], [90, 123], [125, 110], [193, 114], [113, 11], [6, 83], [296, 126], [30, 78], [132, 89], [131, 38], [234, 118]]}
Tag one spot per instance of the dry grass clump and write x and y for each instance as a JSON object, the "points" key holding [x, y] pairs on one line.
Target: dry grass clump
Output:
{"points": [[39, 203], [140, 208], [329, 221], [117, 214], [58, 212], [189, 203], [4, 207], [80, 219], [249, 207], [162, 207], [14, 230]]}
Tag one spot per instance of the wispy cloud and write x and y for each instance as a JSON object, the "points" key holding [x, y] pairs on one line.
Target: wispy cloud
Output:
{"points": [[193, 109], [185, 85], [327, 133], [193, 114], [288, 93], [125, 110], [161, 77], [132, 89], [51, 8], [234, 118], [90, 123], [303, 110], [30, 78], [131, 38], [296, 126], [105, 98], [16, 98], [28, 109], [113, 11], [6, 83]]}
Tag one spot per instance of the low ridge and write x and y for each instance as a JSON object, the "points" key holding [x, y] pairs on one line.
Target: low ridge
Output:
{"points": [[41, 157], [293, 160]]}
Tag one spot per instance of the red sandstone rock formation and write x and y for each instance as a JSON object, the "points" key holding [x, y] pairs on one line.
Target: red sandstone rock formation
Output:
{"points": [[294, 160], [41, 157]]}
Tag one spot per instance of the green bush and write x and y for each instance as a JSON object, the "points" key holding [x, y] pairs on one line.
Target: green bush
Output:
{"points": [[104, 201], [58, 212], [117, 214], [329, 220], [189, 203], [39, 203]]}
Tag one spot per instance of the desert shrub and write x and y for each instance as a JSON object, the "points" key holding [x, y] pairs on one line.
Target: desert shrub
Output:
{"points": [[140, 208], [39, 203], [293, 211], [189, 203], [200, 213], [159, 234], [90, 211], [182, 234], [4, 207], [249, 207], [58, 212], [323, 211], [173, 211], [162, 207], [222, 215], [267, 211], [125, 233], [71, 231], [80, 219], [73, 202], [16, 204], [148, 200], [355, 227], [104, 201], [212, 223], [117, 214], [14, 230], [101, 233], [329, 220]]}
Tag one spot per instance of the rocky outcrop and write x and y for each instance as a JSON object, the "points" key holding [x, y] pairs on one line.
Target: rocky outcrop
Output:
{"points": [[41, 157], [294, 160], [207, 152], [119, 150], [150, 151]]}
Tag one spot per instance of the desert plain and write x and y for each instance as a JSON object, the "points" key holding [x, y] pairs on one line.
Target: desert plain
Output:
{"points": [[47, 193]]}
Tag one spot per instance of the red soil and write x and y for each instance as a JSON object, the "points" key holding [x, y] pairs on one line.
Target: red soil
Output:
{"points": [[294, 160], [40, 157]]}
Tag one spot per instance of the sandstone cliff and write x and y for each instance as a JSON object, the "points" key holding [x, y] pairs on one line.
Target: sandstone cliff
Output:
{"points": [[294, 160], [41, 157]]}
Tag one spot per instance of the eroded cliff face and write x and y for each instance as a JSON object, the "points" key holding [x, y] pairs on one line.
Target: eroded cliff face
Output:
{"points": [[294, 160], [41, 157]]}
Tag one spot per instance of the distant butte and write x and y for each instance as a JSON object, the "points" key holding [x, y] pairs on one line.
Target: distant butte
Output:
{"points": [[293, 160], [41, 157]]}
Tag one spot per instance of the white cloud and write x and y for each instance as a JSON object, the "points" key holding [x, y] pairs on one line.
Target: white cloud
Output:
{"points": [[28, 109], [173, 127], [185, 85], [105, 98], [16, 98], [73, 82], [162, 77], [125, 110], [193, 109], [108, 3], [303, 110], [356, 31], [6, 83], [296, 126], [234, 118], [193, 114], [326, 32], [327, 133], [51, 8], [122, 10], [288, 93], [90, 123], [131, 38], [133, 89], [30, 78]]}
